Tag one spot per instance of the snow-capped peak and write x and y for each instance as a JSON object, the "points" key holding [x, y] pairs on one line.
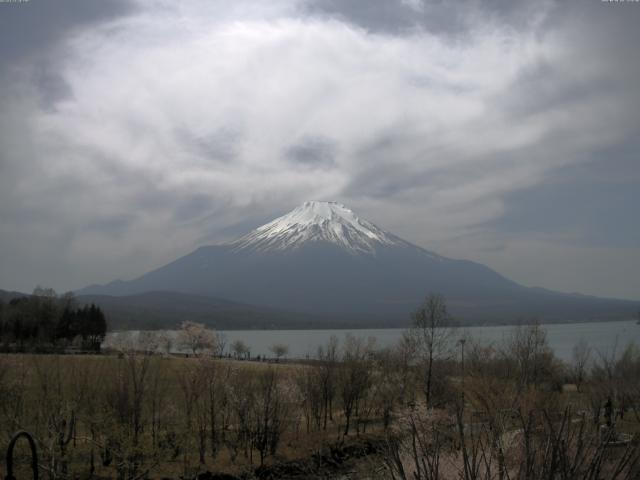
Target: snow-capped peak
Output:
{"points": [[317, 222]]}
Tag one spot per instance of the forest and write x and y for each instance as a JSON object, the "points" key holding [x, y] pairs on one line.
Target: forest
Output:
{"points": [[435, 406], [46, 322]]}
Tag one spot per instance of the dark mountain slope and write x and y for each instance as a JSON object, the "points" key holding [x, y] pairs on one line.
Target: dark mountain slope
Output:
{"points": [[323, 260], [162, 309]]}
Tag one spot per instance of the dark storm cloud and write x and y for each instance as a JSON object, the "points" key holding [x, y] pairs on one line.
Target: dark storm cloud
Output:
{"points": [[603, 62], [31, 33], [440, 17], [381, 16], [549, 87], [313, 152], [49, 84], [28, 28], [591, 203]]}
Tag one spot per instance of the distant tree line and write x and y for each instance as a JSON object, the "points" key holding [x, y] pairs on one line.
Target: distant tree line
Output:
{"points": [[45, 321]]}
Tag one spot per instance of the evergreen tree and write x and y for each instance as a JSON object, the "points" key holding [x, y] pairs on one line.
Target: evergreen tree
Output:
{"points": [[64, 328], [42, 319]]}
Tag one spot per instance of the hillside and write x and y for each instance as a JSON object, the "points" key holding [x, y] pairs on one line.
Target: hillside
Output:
{"points": [[321, 259]]}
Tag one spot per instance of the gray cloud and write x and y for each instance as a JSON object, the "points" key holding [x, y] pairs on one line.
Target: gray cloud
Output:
{"points": [[391, 17], [454, 20], [482, 130], [28, 27], [115, 225], [592, 203], [313, 152], [32, 34], [192, 207], [220, 145]]}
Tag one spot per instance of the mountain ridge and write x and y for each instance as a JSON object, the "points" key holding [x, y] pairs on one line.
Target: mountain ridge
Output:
{"points": [[322, 259]]}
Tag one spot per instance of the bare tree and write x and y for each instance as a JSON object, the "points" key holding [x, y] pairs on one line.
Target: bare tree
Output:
{"points": [[240, 349], [165, 342], [126, 393], [241, 386], [221, 344], [269, 413], [581, 356], [309, 386], [390, 382], [56, 418], [138, 370], [628, 381], [279, 350], [328, 359], [354, 374], [431, 332], [149, 341], [196, 338], [530, 353], [193, 381], [615, 380]]}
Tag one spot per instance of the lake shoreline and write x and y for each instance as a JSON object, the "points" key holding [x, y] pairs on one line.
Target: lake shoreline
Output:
{"points": [[375, 326], [303, 344]]}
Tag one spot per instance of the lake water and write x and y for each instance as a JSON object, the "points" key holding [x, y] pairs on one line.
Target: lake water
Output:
{"points": [[600, 336]]}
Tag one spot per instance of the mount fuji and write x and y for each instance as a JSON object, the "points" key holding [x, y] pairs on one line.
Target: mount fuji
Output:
{"points": [[321, 259]]}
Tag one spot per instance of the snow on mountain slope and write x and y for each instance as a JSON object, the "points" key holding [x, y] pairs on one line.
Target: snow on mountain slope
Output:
{"points": [[321, 259], [317, 221]]}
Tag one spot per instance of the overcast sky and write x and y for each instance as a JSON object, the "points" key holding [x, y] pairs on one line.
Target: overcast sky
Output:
{"points": [[132, 132]]}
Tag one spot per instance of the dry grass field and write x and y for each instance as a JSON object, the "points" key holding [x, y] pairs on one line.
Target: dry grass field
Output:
{"points": [[508, 410]]}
